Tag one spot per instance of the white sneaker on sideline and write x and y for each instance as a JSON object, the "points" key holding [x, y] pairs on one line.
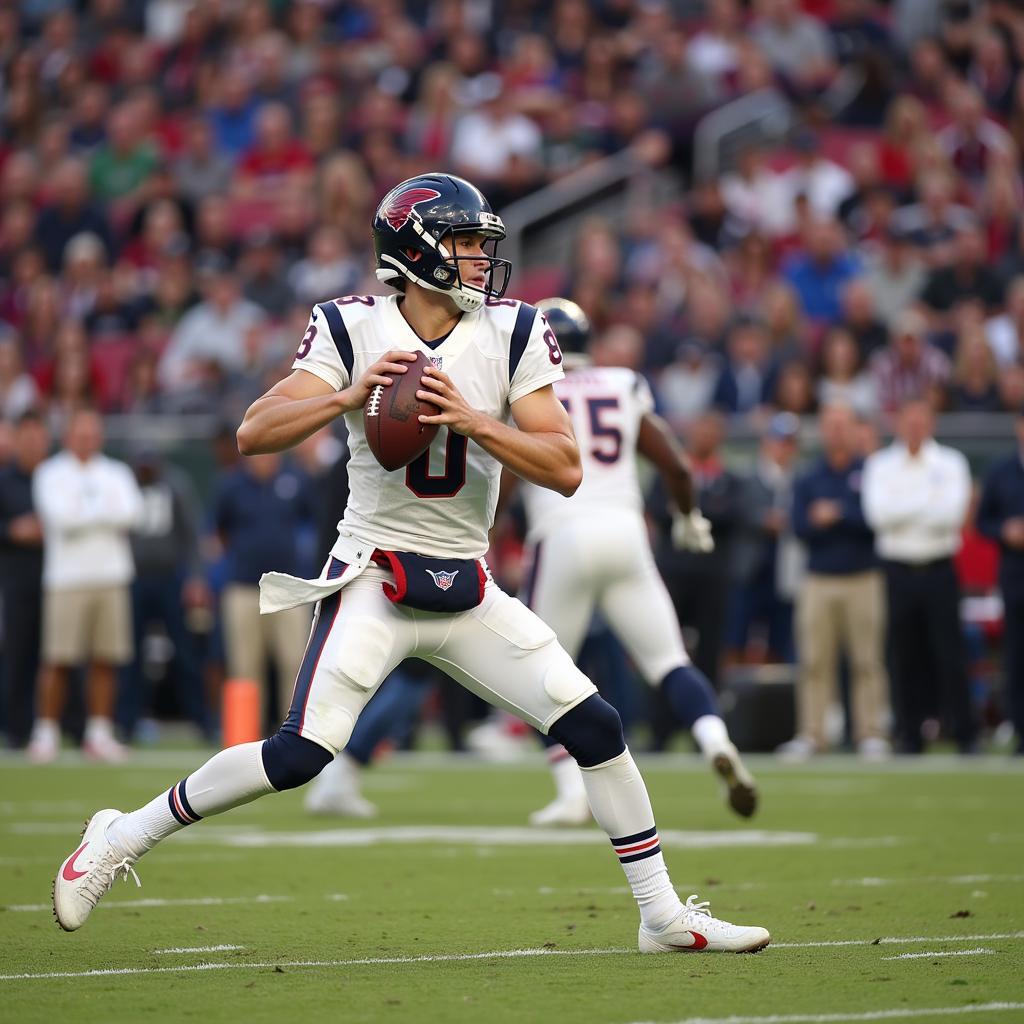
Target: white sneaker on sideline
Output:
{"points": [[740, 788], [105, 748], [87, 875], [563, 810], [695, 930], [797, 749], [43, 748], [874, 748], [336, 792]]}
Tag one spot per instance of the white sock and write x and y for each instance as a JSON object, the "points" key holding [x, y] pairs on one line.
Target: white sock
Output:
{"points": [[343, 773], [233, 777], [566, 773], [98, 729], [620, 805], [711, 735]]}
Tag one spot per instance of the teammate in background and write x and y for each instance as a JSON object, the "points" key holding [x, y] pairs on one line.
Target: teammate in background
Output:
{"points": [[494, 360], [591, 549]]}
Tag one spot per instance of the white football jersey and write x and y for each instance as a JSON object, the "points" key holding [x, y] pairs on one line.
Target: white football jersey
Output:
{"points": [[606, 405], [443, 503]]}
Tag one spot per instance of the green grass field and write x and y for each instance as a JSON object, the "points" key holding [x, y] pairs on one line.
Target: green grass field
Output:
{"points": [[892, 892]]}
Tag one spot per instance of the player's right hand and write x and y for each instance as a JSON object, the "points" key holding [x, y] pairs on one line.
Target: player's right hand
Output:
{"points": [[356, 394], [692, 533]]}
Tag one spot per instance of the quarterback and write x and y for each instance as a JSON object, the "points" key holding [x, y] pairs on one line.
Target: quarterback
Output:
{"points": [[377, 598], [591, 549]]}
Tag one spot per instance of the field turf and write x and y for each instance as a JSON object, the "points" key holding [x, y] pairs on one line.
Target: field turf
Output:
{"points": [[892, 893]]}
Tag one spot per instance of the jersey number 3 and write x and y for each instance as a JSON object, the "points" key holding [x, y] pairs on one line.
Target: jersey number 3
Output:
{"points": [[418, 477]]}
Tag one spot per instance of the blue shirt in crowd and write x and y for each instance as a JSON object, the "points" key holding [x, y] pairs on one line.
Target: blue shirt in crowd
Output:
{"points": [[848, 545], [1002, 498], [820, 286], [263, 522]]}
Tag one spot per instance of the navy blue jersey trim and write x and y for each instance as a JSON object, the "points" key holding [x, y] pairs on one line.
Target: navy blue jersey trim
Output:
{"points": [[520, 336], [640, 856], [339, 332]]}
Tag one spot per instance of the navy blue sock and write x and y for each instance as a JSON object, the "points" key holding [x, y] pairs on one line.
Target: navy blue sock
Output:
{"points": [[689, 694]]}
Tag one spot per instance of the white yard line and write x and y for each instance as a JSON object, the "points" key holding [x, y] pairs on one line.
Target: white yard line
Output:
{"points": [[502, 954], [896, 940], [199, 901], [902, 1013], [199, 949], [946, 952]]}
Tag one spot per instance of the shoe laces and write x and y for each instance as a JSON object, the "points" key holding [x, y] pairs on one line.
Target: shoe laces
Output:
{"points": [[102, 878], [700, 916]]}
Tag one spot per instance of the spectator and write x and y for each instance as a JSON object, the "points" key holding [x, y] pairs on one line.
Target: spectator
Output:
{"points": [[910, 367], [215, 333], [215, 235], [756, 196], [969, 277], [796, 45], [685, 386], [974, 382], [233, 117], [277, 161], [123, 164], [823, 182], [1001, 518], [328, 269], [1005, 331], [861, 320], [168, 583], [843, 380], [714, 49], [794, 389], [916, 494], [764, 552], [820, 273], [894, 276], [841, 606], [496, 147], [21, 577], [18, 392], [747, 380], [973, 142], [262, 272], [70, 212], [259, 510], [931, 223], [87, 504], [700, 585]]}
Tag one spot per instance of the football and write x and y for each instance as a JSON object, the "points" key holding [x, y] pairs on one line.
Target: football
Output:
{"points": [[391, 418]]}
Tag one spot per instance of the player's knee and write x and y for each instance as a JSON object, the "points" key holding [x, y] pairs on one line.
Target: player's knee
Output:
{"points": [[291, 760], [591, 732]]}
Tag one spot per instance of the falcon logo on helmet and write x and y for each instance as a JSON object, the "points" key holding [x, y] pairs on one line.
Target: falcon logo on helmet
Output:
{"points": [[399, 206]]}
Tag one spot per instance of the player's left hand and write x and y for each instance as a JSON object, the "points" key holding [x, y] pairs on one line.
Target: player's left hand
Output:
{"points": [[456, 413], [692, 533]]}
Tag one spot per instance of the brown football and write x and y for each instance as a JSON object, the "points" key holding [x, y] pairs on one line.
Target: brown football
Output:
{"points": [[391, 418]]}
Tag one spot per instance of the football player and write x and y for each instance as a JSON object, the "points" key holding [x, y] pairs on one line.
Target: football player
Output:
{"points": [[591, 549], [495, 361]]}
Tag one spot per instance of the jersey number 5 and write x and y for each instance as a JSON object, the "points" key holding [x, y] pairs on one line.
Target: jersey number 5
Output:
{"points": [[607, 446], [418, 477]]}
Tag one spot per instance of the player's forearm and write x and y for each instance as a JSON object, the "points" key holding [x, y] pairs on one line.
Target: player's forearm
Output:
{"points": [[547, 459], [274, 422]]}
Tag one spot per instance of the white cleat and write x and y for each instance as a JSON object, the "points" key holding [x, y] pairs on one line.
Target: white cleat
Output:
{"points": [[87, 875], [42, 750], [874, 748], [741, 790], [335, 792], [563, 810], [695, 931]]}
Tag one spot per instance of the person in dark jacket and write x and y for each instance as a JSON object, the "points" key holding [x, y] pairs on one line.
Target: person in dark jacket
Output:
{"points": [[21, 577], [1001, 517], [841, 605]]}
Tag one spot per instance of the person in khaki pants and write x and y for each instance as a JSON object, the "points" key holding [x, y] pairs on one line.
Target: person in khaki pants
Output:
{"points": [[262, 510], [841, 605]]}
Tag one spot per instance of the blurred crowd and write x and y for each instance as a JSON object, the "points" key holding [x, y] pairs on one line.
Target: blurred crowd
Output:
{"points": [[180, 181]]}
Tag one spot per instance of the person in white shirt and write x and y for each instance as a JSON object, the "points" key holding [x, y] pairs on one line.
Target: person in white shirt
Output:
{"points": [[916, 494], [87, 504]]}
